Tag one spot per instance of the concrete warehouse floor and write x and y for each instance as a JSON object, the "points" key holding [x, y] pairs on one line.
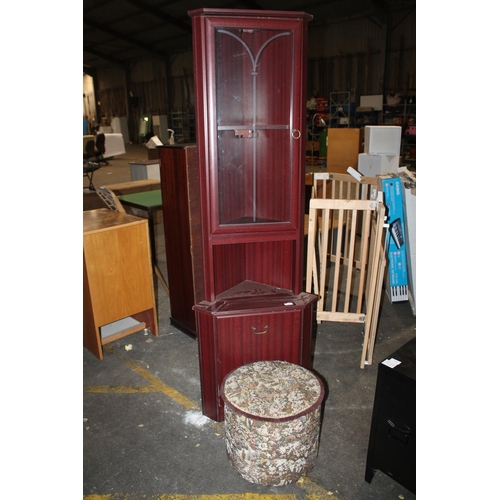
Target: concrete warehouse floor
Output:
{"points": [[144, 435]]}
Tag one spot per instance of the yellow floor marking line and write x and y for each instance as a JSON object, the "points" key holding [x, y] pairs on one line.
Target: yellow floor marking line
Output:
{"points": [[315, 492], [119, 389], [155, 385], [229, 496], [159, 386]]}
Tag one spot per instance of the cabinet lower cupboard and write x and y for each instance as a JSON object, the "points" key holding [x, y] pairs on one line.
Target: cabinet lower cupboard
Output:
{"points": [[250, 323], [118, 292]]}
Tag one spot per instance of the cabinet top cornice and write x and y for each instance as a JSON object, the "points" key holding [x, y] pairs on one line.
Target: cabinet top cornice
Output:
{"points": [[262, 14]]}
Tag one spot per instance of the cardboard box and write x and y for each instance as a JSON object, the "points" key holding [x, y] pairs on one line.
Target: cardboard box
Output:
{"points": [[382, 140], [343, 148], [373, 165], [147, 169], [397, 275], [409, 180]]}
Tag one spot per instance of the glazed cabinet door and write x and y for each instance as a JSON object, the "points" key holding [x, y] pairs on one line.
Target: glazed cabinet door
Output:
{"points": [[249, 71], [255, 126]]}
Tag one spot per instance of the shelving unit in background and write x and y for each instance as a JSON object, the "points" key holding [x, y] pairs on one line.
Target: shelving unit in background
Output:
{"points": [[404, 114], [340, 110], [182, 122]]}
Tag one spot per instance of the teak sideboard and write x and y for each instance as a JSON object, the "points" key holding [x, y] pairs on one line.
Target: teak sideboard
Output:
{"points": [[118, 291]]}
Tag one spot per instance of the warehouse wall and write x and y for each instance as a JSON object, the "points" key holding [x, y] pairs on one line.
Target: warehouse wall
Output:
{"points": [[154, 86], [362, 56]]}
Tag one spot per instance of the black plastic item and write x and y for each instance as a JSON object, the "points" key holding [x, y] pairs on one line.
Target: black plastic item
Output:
{"points": [[89, 167], [392, 446]]}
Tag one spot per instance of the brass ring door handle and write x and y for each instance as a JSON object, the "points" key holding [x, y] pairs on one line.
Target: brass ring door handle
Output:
{"points": [[295, 132]]}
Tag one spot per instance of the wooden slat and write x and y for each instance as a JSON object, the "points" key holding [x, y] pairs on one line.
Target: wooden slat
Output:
{"points": [[341, 317], [374, 285]]}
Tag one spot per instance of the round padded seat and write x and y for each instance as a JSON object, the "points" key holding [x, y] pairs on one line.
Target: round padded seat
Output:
{"points": [[272, 419]]}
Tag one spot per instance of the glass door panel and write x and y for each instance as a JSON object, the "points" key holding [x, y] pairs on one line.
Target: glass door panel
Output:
{"points": [[254, 112]]}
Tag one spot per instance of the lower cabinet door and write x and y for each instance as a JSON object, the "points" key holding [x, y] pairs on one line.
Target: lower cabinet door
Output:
{"points": [[228, 341]]}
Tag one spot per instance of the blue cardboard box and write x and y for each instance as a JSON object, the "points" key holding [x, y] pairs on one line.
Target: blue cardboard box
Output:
{"points": [[397, 275]]}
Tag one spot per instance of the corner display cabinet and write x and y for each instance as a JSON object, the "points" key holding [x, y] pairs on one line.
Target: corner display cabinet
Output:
{"points": [[250, 105]]}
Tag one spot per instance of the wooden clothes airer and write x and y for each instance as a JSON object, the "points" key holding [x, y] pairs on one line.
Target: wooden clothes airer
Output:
{"points": [[346, 252]]}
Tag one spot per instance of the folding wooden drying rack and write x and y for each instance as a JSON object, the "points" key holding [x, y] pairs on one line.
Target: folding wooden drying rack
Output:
{"points": [[345, 252]]}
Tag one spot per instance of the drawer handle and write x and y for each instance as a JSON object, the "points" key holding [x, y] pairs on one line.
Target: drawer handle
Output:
{"points": [[399, 431], [260, 333]]}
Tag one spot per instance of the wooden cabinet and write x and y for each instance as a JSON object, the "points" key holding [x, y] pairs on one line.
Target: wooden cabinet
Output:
{"points": [[118, 293], [392, 446], [251, 131], [344, 146], [181, 220], [250, 323]]}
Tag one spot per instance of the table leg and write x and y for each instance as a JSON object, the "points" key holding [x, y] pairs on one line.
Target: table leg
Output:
{"points": [[158, 273]]}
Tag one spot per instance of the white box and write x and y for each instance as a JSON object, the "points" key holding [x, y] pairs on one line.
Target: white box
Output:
{"points": [[119, 125], [147, 169], [372, 101], [382, 140], [114, 145], [154, 142], [372, 165]]}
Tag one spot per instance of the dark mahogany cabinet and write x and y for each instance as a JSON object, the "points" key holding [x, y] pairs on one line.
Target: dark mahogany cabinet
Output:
{"points": [[250, 117], [250, 323], [182, 228]]}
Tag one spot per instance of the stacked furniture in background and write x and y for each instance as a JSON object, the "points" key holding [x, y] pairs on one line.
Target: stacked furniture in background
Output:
{"points": [[343, 147], [145, 169]]}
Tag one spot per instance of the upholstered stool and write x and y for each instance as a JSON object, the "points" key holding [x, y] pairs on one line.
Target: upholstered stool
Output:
{"points": [[272, 412]]}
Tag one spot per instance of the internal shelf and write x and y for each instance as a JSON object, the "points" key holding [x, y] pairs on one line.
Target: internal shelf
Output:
{"points": [[121, 328]]}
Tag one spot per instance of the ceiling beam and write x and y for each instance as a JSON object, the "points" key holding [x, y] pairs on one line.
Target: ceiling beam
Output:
{"points": [[106, 57], [381, 10], [133, 41], [161, 15]]}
